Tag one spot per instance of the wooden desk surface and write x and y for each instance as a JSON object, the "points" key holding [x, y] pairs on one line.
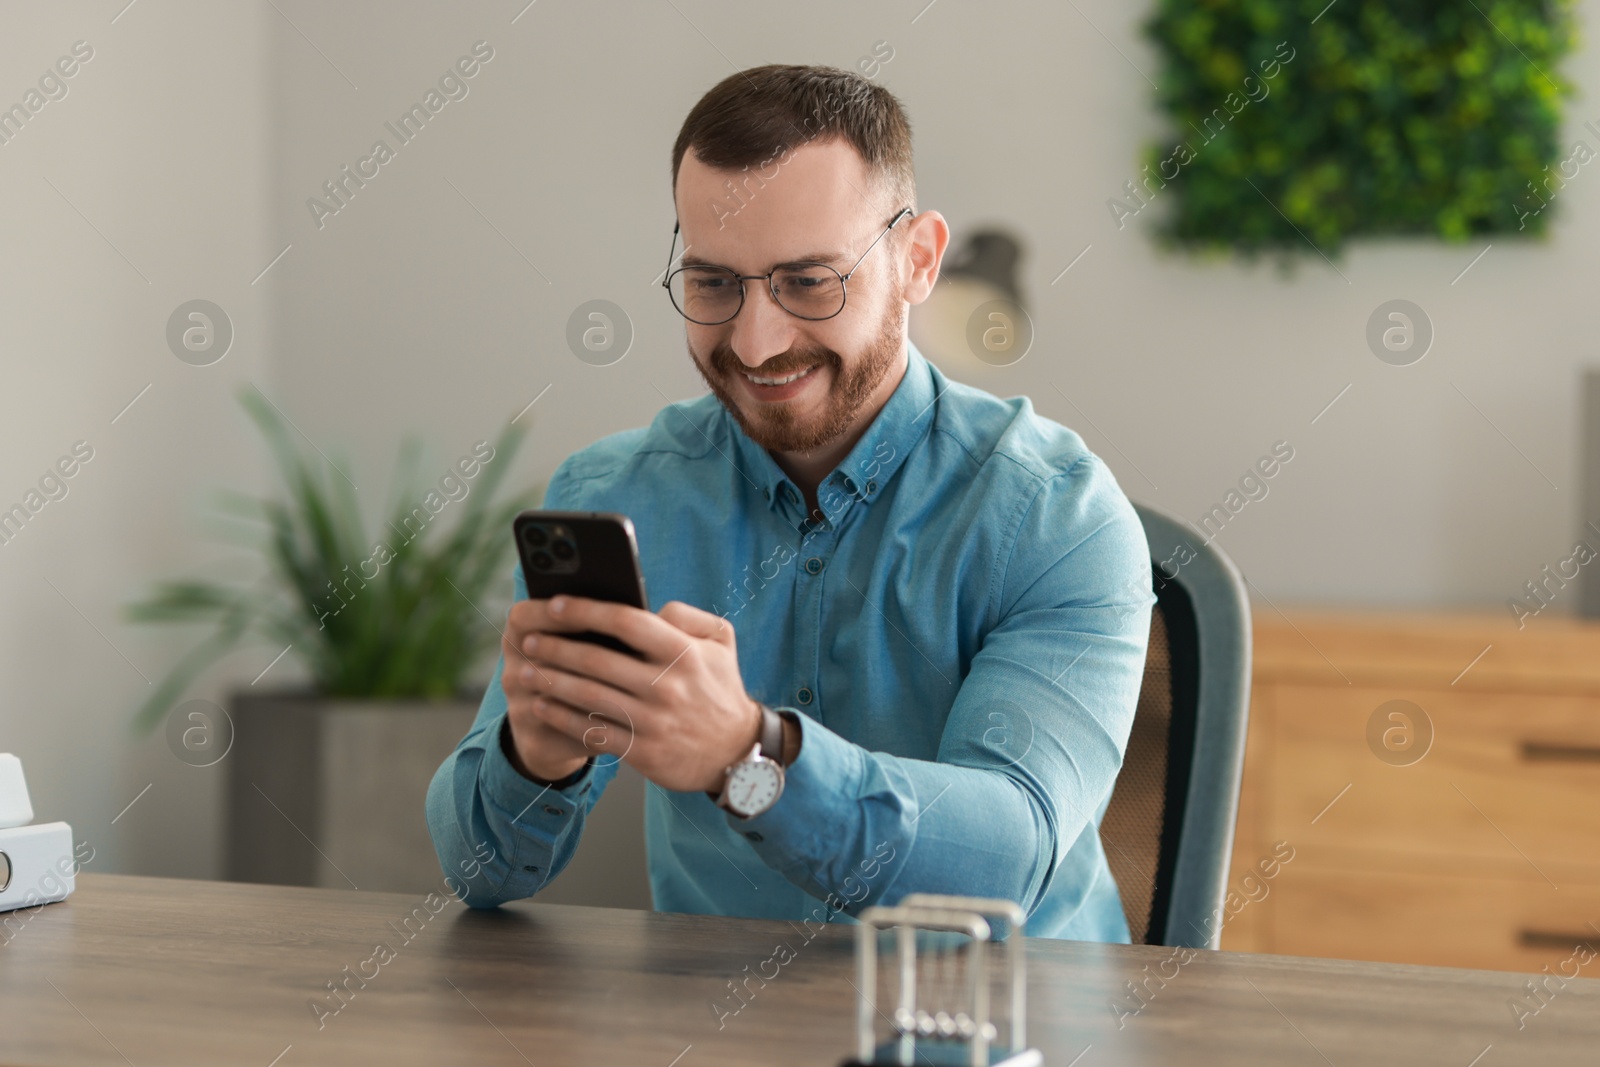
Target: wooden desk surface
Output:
{"points": [[154, 971]]}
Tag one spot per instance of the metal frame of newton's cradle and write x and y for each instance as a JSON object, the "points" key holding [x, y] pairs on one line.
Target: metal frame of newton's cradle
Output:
{"points": [[965, 915]]}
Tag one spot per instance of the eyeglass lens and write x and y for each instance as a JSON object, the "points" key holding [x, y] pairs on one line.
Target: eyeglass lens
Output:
{"points": [[711, 295]]}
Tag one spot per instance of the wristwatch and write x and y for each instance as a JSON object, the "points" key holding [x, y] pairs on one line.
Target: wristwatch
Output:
{"points": [[754, 783]]}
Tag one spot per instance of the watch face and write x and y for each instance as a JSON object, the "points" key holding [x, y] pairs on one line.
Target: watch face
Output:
{"points": [[754, 787]]}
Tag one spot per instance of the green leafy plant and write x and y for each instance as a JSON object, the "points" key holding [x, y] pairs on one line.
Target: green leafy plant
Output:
{"points": [[1389, 117], [409, 629]]}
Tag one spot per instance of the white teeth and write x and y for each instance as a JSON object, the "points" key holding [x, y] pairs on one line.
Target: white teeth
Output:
{"points": [[777, 381]]}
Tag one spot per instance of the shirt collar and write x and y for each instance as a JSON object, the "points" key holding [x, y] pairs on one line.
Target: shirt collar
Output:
{"points": [[865, 472]]}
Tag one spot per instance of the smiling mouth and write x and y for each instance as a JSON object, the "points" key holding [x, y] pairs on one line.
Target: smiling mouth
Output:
{"points": [[781, 381]]}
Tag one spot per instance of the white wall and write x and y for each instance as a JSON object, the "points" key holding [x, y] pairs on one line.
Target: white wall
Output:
{"points": [[1401, 494], [193, 139], [159, 144]]}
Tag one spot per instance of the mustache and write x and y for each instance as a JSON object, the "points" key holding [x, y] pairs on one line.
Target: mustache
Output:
{"points": [[726, 363]]}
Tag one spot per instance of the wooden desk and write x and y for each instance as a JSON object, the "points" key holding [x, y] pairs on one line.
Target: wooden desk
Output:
{"points": [[154, 971]]}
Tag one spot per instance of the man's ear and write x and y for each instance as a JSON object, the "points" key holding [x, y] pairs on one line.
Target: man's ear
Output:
{"points": [[927, 236]]}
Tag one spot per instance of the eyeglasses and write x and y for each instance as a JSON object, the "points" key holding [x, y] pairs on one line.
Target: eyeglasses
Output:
{"points": [[711, 295]]}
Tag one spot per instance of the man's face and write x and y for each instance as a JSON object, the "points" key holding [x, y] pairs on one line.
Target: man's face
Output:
{"points": [[820, 201]]}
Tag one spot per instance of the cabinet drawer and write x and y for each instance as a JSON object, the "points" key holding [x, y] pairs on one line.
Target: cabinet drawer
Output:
{"points": [[1506, 924], [1507, 777]]}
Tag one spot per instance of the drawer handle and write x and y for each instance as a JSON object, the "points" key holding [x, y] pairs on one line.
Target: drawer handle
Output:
{"points": [[1536, 750], [1551, 939]]}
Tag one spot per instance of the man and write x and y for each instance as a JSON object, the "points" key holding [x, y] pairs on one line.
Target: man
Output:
{"points": [[898, 624]]}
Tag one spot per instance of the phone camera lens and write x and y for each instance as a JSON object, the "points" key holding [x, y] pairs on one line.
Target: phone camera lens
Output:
{"points": [[541, 561], [535, 536], [563, 550]]}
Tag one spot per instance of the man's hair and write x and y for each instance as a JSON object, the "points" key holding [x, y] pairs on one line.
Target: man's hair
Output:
{"points": [[750, 119]]}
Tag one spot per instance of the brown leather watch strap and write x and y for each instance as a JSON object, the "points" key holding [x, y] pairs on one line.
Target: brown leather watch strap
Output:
{"points": [[771, 734]]}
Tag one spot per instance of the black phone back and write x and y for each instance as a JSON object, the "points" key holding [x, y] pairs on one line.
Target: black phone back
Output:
{"points": [[581, 553]]}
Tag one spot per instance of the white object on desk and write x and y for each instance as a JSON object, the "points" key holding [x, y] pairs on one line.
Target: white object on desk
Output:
{"points": [[36, 862], [36, 865], [15, 808]]}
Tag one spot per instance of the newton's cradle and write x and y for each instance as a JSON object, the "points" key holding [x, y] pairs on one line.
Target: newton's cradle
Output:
{"points": [[936, 1006]]}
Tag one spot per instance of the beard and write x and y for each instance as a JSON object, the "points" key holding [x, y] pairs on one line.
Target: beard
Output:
{"points": [[780, 427]]}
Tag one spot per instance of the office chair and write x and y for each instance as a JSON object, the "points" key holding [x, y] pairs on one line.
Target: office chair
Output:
{"points": [[1168, 829]]}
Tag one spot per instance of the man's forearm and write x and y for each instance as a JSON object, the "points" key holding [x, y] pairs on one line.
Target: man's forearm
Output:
{"points": [[868, 826], [499, 835]]}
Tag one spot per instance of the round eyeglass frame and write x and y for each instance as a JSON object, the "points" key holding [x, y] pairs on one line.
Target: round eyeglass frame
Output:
{"points": [[844, 279]]}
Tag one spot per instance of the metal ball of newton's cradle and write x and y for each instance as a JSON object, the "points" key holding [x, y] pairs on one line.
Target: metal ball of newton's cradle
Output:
{"points": [[940, 1024]]}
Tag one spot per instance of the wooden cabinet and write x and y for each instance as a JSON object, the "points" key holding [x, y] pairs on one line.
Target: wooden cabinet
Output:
{"points": [[1438, 780]]}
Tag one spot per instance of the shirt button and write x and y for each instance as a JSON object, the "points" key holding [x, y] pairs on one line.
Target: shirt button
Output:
{"points": [[551, 809], [803, 696], [872, 487], [752, 835], [788, 492], [814, 565]]}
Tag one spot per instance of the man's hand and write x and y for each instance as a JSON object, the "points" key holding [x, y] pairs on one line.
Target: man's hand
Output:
{"points": [[679, 716], [539, 750]]}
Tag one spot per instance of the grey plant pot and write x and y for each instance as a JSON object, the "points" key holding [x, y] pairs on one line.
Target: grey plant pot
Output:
{"points": [[331, 792]]}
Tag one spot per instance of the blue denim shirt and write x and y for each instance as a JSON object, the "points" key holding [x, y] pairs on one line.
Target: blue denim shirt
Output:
{"points": [[963, 635]]}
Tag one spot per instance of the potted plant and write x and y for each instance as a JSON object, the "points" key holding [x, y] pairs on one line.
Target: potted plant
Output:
{"points": [[326, 783]]}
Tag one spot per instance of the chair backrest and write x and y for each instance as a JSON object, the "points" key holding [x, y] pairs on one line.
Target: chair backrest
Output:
{"points": [[1168, 829]]}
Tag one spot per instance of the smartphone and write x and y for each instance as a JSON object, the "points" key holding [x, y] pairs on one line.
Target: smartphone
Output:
{"points": [[582, 553]]}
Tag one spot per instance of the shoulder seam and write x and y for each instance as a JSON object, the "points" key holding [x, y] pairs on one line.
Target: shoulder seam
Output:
{"points": [[998, 575], [959, 443], [587, 473]]}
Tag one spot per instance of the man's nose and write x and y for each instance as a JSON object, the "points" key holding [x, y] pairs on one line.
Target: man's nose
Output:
{"points": [[762, 329]]}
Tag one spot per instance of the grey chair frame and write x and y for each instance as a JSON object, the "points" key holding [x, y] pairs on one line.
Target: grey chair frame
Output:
{"points": [[1216, 591]]}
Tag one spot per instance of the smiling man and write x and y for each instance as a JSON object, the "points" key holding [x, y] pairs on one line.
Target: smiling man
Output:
{"points": [[898, 625]]}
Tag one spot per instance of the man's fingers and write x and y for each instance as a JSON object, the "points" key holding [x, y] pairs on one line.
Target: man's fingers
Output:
{"points": [[697, 622], [656, 639], [591, 660], [515, 662], [582, 693], [516, 630], [595, 731]]}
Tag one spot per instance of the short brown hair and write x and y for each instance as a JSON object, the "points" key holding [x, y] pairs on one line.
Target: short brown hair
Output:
{"points": [[751, 118]]}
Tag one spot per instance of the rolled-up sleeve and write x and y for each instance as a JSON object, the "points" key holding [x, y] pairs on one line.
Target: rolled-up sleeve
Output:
{"points": [[1033, 741]]}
